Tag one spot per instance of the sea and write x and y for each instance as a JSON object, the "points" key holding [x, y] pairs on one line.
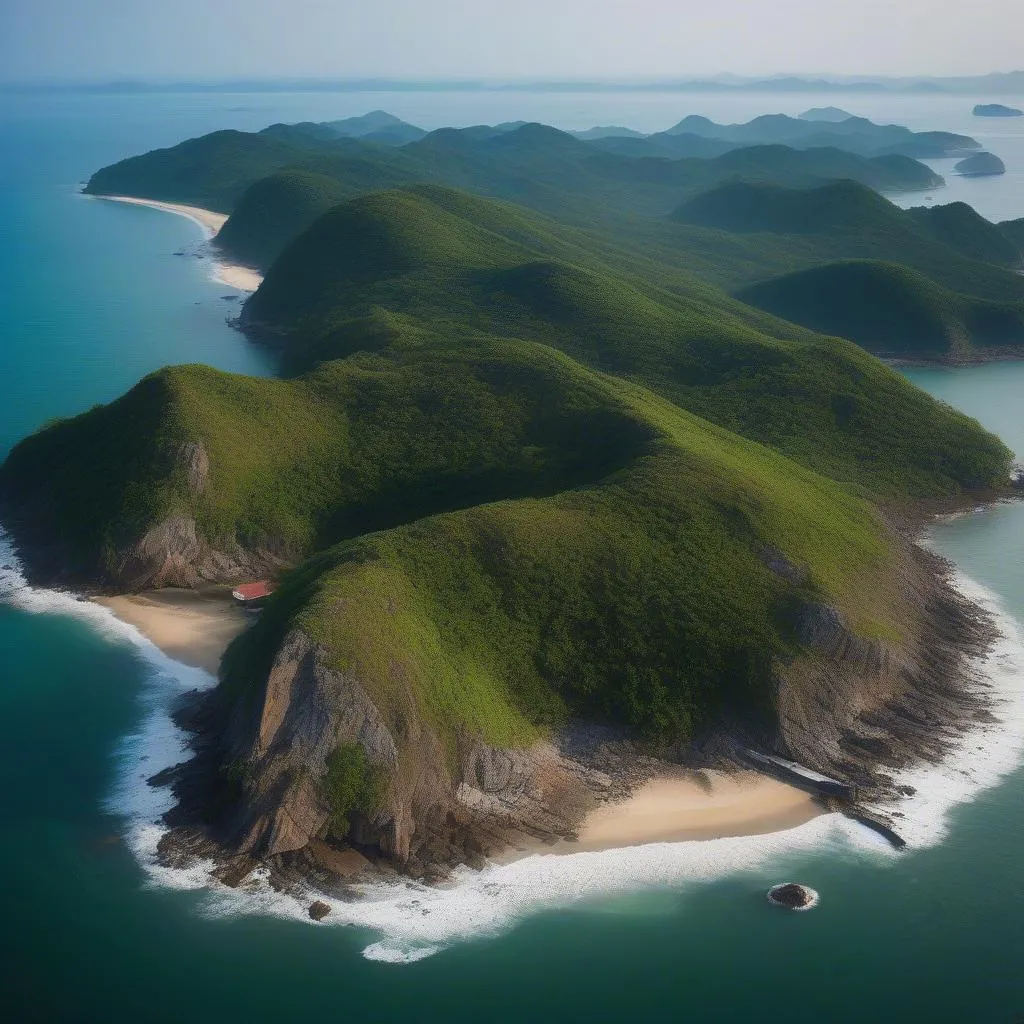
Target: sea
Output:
{"points": [[94, 295]]}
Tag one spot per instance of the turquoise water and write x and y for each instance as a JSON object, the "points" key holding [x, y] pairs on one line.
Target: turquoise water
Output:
{"points": [[92, 297]]}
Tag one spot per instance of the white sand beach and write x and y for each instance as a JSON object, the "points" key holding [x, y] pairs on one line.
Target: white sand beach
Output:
{"points": [[192, 627], [696, 805], [235, 275], [196, 628]]}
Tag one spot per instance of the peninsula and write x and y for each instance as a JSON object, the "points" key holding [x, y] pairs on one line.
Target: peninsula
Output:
{"points": [[557, 504]]}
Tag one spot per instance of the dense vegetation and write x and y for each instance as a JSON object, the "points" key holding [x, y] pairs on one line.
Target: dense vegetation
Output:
{"points": [[889, 308], [748, 215], [531, 164], [351, 785], [398, 270], [276, 209], [531, 464]]}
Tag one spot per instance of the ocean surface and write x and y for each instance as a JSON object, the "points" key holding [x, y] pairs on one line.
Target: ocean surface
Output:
{"points": [[92, 297]]}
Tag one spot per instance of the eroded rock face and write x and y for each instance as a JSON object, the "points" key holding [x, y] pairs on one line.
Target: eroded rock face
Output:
{"points": [[306, 709], [850, 706], [195, 463], [172, 554]]}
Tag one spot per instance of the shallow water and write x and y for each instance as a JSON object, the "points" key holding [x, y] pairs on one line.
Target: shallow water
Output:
{"points": [[93, 297]]}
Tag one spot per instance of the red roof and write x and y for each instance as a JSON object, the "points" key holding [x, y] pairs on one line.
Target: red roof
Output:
{"points": [[252, 591]]}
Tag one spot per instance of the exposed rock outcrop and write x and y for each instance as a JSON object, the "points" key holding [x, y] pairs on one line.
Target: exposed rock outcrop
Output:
{"points": [[172, 554], [438, 806], [854, 707]]}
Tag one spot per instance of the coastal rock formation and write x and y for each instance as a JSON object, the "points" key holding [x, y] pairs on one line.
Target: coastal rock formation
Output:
{"points": [[980, 165], [793, 896], [857, 706], [434, 807], [318, 910], [171, 554]]}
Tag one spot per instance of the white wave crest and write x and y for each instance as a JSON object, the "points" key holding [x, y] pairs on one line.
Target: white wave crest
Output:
{"points": [[410, 921]]}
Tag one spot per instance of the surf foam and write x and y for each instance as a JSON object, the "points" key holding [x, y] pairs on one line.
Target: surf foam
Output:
{"points": [[409, 921]]}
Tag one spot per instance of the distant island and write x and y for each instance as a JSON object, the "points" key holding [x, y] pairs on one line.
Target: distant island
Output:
{"points": [[996, 110], [579, 469], [833, 114], [980, 164]]}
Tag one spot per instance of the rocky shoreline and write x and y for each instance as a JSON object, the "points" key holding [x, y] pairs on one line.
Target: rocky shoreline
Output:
{"points": [[857, 709], [851, 708]]}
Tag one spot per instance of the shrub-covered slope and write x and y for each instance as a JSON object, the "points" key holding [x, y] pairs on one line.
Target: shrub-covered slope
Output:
{"points": [[775, 229], [889, 309], [277, 209], [514, 483], [964, 229], [404, 268], [532, 164]]}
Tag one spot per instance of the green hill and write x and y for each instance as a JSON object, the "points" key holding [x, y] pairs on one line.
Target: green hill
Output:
{"points": [[748, 207], [275, 210], [531, 164], [856, 134], [962, 228], [409, 268], [520, 474], [1013, 230], [889, 309], [761, 230]]}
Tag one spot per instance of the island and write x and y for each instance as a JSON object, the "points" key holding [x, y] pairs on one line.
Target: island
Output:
{"points": [[546, 507], [980, 165], [996, 110], [834, 114]]}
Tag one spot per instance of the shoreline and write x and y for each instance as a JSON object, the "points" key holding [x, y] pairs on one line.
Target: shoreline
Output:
{"points": [[195, 628], [191, 627], [234, 275], [411, 921], [690, 805]]}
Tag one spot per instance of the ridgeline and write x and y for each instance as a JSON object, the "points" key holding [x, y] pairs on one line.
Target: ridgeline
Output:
{"points": [[530, 465]]}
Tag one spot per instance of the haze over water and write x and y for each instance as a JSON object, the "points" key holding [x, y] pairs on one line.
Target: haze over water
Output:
{"points": [[92, 298]]}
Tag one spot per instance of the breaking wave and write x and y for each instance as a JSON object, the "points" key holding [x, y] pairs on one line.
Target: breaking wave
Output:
{"points": [[408, 921]]}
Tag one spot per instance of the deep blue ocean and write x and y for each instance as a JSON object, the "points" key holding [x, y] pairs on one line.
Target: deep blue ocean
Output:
{"points": [[92, 298]]}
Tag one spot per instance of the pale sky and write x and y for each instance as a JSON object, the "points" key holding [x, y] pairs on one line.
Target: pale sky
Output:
{"points": [[215, 39]]}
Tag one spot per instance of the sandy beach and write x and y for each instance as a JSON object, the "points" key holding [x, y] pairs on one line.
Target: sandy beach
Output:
{"points": [[245, 279], [697, 805], [196, 628], [691, 805], [192, 627]]}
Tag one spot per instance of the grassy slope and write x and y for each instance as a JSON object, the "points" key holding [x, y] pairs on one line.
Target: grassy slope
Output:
{"points": [[888, 308], [401, 270], [534, 165], [524, 513]]}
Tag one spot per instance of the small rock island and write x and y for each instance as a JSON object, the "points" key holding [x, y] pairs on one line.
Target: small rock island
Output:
{"points": [[996, 110], [980, 165], [793, 896]]}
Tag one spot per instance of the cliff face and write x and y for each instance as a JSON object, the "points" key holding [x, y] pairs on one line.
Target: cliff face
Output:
{"points": [[857, 708], [163, 549], [436, 806], [850, 706]]}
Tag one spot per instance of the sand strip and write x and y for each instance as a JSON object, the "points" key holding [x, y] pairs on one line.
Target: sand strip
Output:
{"points": [[192, 627], [235, 275], [689, 806], [196, 628]]}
